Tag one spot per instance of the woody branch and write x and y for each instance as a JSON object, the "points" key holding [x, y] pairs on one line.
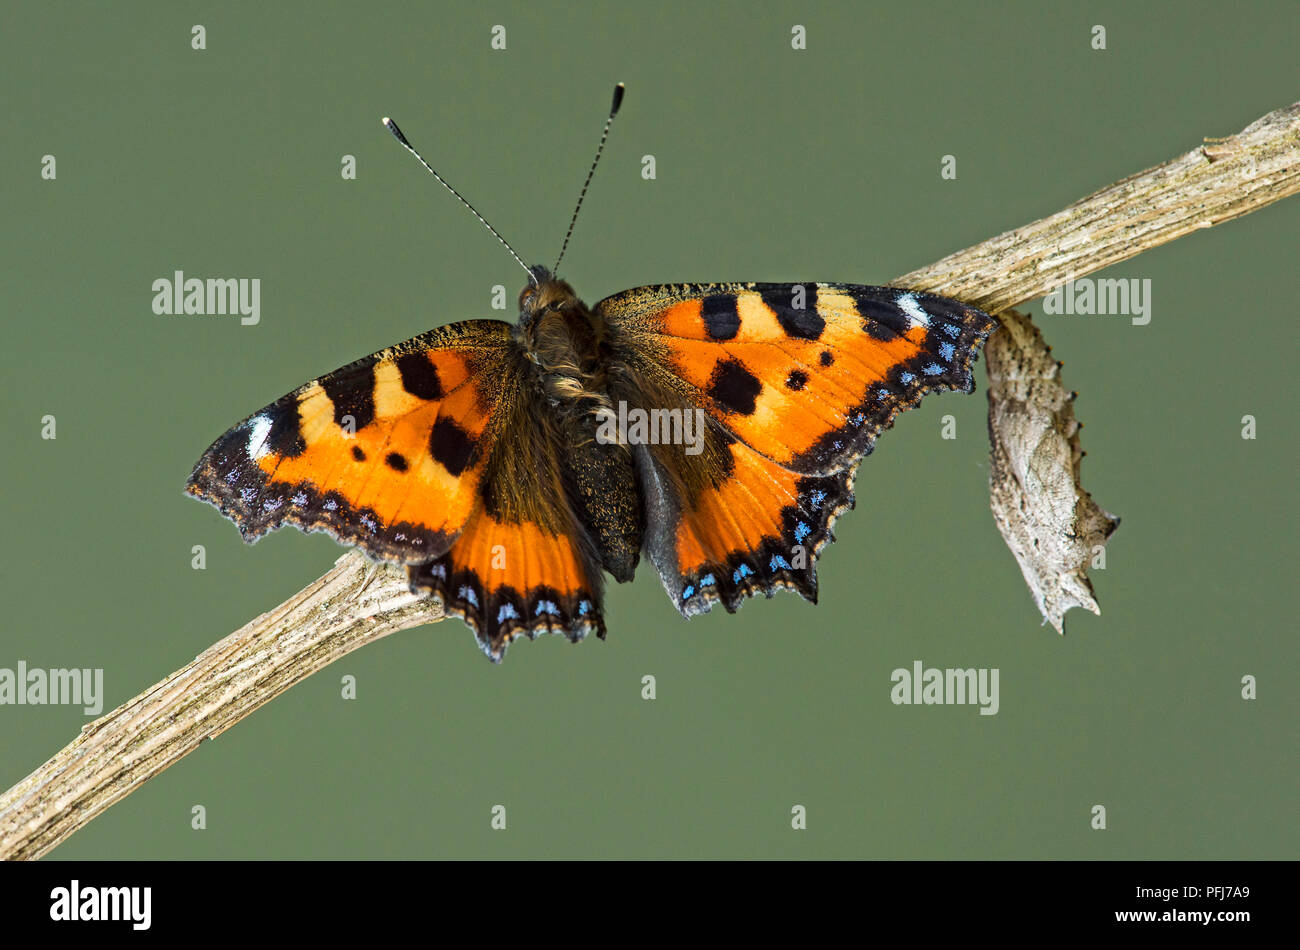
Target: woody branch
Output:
{"points": [[358, 602]]}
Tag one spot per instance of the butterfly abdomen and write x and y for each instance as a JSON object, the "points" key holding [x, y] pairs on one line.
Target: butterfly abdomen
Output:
{"points": [[602, 487], [567, 350]]}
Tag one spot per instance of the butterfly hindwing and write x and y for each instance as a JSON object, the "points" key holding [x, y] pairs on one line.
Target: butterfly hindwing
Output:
{"points": [[385, 453], [757, 530], [797, 381], [524, 562], [510, 578]]}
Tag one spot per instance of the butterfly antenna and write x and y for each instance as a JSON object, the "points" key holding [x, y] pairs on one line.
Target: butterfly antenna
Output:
{"points": [[397, 134], [613, 111]]}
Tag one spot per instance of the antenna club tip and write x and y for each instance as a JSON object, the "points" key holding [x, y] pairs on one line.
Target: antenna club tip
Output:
{"points": [[391, 126], [618, 98]]}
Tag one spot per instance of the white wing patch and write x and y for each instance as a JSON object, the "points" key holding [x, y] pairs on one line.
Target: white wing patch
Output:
{"points": [[259, 427], [907, 303]]}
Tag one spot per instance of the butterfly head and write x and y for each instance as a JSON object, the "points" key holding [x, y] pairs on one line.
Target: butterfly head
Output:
{"points": [[543, 294]]}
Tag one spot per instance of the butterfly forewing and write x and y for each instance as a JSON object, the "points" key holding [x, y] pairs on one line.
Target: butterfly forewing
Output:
{"points": [[385, 453], [806, 374]]}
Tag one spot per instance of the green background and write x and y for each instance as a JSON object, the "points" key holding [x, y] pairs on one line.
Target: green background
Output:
{"points": [[772, 165]]}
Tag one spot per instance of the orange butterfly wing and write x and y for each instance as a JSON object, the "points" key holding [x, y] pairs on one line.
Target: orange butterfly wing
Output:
{"points": [[523, 564], [385, 453], [427, 454], [506, 578], [796, 382]]}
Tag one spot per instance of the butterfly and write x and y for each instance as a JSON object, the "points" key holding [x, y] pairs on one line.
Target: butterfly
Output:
{"points": [[715, 428]]}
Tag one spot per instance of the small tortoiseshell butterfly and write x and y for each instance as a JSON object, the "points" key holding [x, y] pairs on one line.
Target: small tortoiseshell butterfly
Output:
{"points": [[478, 455]]}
